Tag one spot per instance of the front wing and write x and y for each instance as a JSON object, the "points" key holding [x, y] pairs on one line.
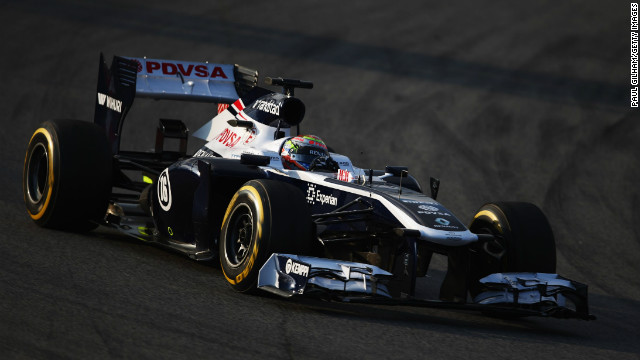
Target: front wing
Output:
{"points": [[507, 294]]}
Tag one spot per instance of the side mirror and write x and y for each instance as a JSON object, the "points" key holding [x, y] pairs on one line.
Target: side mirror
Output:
{"points": [[435, 186]]}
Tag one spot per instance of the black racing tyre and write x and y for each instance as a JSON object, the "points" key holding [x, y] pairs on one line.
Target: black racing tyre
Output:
{"points": [[524, 237], [66, 179], [263, 217]]}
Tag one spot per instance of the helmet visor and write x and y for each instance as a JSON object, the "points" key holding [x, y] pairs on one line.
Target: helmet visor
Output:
{"points": [[305, 155]]}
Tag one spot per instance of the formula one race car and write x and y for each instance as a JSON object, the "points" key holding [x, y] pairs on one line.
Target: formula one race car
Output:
{"points": [[283, 212]]}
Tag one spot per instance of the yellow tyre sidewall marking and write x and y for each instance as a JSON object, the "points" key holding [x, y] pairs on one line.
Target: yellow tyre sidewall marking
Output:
{"points": [[254, 253], [46, 134], [493, 217]]}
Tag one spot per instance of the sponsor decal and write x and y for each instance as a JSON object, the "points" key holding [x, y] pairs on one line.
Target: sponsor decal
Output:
{"points": [[326, 199], [315, 152], [454, 236], [204, 153], [344, 163], [294, 267], [437, 213], [185, 69], [414, 202], [222, 107], [344, 175], [109, 102], [270, 107], [238, 156], [311, 190], [164, 191], [316, 196], [250, 135], [427, 207], [228, 138], [445, 224]]}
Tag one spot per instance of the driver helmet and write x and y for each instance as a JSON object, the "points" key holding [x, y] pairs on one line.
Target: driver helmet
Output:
{"points": [[299, 152]]}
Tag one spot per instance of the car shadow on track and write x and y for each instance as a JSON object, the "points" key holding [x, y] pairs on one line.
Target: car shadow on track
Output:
{"points": [[612, 313]]}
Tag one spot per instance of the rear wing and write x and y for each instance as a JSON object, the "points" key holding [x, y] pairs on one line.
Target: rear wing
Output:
{"points": [[193, 81], [129, 77]]}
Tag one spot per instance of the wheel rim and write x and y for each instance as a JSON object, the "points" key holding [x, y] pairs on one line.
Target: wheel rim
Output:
{"points": [[497, 245], [487, 260], [37, 173], [239, 235]]}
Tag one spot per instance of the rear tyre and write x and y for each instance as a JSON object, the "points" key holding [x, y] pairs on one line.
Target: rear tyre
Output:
{"points": [[524, 237], [263, 217], [67, 175]]}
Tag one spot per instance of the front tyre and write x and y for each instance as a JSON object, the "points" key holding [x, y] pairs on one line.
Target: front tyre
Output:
{"points": [[66, 178], [524, 240], [263, 217]]}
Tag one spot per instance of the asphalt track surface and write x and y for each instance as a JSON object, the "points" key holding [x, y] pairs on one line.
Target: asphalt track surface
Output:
{"points": [[501, 101]]}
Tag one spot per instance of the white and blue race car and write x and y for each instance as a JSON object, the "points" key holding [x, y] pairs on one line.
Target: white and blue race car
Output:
{"points": [[280, 211]]}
